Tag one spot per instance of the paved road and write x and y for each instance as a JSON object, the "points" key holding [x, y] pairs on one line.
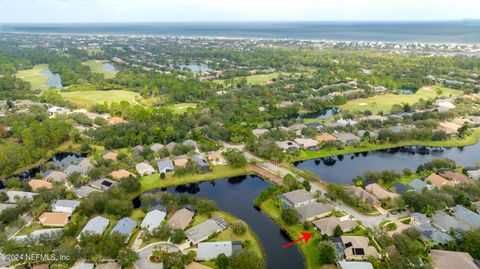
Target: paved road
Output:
{"points": [[146, 252]]}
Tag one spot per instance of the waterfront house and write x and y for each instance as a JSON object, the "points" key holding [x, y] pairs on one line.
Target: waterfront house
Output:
{"points": [[357, 248], [202, 165], [418, 185], [56, 176], [180, 219], [327, 225], [313, 211], [153, 220], [467, 216], [65, 206], [144, 169], [400, 188], [438, 181], [474, 174], [443, 259], [125, 227], [97, 226], [86, 164], [307, 143], [180, 161], [324, 138], [205, 229], [120, 174], [210, 250], [75, 169], [54, 219], [216, 158], [449, 128], [456, 178], [347, 138], [14, 195], [287, 146], [103, 184], [363, 195], [354, 265], [379, 192], [165, 166], [297, 198], [36, 184]]}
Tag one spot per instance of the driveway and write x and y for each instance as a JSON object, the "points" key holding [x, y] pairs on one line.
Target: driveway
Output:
{"points": [[146, 252]]}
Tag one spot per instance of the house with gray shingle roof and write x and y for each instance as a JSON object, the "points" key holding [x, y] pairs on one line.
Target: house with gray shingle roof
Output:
{"points": [[297, 198], [6, 206], [202, 164], [346, 138], [56, 176], [84, 191], [157, 147], [467, 216], [54, 233], [103, 184], [153, 220], [97, 225], [205, 229], [14, 195], [75, 169], [446, 223], [430, 233], [211, 250], [137, 150], [125, 227], [165, 166], [170, 146], [419, 218], [65, 206], [418, 185], [314, 211]]}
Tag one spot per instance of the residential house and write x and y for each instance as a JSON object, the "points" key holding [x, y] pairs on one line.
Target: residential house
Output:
{"points": [[65, 206], [327, 225], [137, 150], [438, 181], [446, 223], [444, 105], [354, 265], [314, 211], [53, 233], [210, 250], [40, 266], [287, 146], [86, 164], [191, 143], [307, 143], [400, 188], [75, 169], [216, 158], [418, 185], [205, 229], [97, 225], [36, 184], [285, 104], [297, 198], [84, 191], [259, 132], [6, 206], [202, 165], [419, 218], [374, 118], [456, 178], [180, 161], [196, 265], [357, 248], [474, 174], [103, 184], [347, 138], [153, 220], [324, 138], [54, 219], [430, 233], [81, 264], [14, 195], [180, 219], [449, 128], [467, 216], [371, 134], [109, 155], [165, 166], [144, 169], [109, 265], [56, 176], [379, 192], [116, 120], [157, 147], [125, 227], [121, 174], [170, 146], [363, 195], [443, 259]]}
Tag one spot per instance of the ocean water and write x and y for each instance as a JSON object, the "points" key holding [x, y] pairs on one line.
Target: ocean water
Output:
{"points": [[434, 32]]}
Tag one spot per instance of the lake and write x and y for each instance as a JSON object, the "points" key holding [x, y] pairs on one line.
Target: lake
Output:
{"points": [[342, 169], [235, 196], [54, 79], [108, 67]]}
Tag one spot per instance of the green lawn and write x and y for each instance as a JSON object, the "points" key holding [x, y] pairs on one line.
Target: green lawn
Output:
{"points": [[181, 107], [385, 102], [88, 98], [35, 76], [97, 67], [256, 79]]}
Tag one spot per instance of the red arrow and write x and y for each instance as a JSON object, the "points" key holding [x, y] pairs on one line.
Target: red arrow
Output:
{"points": [[305, 237]]}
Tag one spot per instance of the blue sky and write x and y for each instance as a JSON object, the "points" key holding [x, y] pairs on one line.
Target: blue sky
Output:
{"points": [[235, 10]]}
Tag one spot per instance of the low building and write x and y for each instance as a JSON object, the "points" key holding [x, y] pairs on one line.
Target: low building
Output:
{"points": [[307, 143], [419, 218], [82, 264], [196, 265], [444, 105], [467, 216], [14, 195], [137, 150], [400, 188], [144, 169], [109, 155], [56, 176], [430, 233], [363, 195], [109, 265], [446, 223], [379, 192], [210, 250], [36, 184], [347, 138], [205, 229], [103, 184], [165, 166], [125, 227], [75, 169], [65, 206], [153, 220], [86, 164], [116, 120], [97, 226], [84, 191], [438, 181], [287, 146], [170, 146], [202, 164], [314, 211], [354, 265], [6, 206], [449, 128], [180, 219], [259, 132], [53, 233], [327, 225], [180, 161], [121, 174], [157, 147], [216, 158], [456, 178], [324, 138], [357, 248], [54, 219], [474, 174], [419, 185], [297, 198], [443, 259], [191, 143]]}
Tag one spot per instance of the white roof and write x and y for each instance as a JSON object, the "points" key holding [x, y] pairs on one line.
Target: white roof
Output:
{"points": [[153, 219], [20, 194], [211, 250]]}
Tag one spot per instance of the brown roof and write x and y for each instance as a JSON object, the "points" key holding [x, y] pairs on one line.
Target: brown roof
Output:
{"points": [[180, 219], [327, 225], [438, 181], [443, 259], [363, 195], [109, 265], [36, 184], [215, 156], [325, 137], [181, 162], [379, 192], [457, 178], [54, 219], [40, 266], [110, 156], [120, 174], [116, 120], [196, 265]]}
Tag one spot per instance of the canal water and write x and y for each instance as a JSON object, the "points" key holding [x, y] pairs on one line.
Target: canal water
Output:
{"points": [[342, 169], [54, 79], [235, 196]]}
